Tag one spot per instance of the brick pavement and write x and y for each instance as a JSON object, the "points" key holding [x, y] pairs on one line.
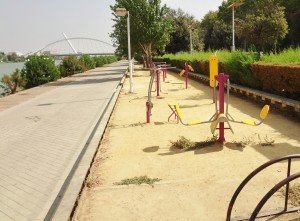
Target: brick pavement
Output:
{"points": [[42, 135]]}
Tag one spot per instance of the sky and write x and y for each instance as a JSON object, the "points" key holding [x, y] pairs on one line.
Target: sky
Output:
{"points": [[28, 25]]}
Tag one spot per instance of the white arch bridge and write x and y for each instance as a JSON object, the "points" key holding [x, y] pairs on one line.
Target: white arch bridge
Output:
{"points": [[76, 46]]}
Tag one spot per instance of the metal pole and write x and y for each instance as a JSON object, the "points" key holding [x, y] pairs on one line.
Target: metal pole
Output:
{"points": [[191, 43], [157, 82], [186, 75], [287, 187], [233, 43], [221, 78], [74, 50], [129, 53]]}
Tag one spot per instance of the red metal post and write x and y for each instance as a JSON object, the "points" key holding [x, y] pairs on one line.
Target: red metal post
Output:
{"points": [[186, 75], [164, 71], [148, 112], [221, 78], [157, 82]]}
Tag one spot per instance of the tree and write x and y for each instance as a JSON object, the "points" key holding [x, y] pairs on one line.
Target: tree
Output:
{"points": [[263, 24], [13, 81], [149, 26], [292, 12], [216, 32], [2, 56], [12, 56], [39, 70], [184, 25]]}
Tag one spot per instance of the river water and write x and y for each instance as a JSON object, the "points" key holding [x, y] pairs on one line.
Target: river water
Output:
{"points": [[9, 68]]}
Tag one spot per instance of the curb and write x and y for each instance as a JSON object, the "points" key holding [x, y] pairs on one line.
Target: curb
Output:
{"points": [[66, 201]]}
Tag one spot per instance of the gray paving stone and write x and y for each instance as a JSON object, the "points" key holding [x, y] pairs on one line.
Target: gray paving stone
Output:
{"points": [[42, 137]]}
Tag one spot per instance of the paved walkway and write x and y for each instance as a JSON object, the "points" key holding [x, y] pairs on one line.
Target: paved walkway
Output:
{"points": [[42, 133]]}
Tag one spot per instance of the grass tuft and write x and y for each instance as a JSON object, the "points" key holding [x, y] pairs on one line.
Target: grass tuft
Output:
{"points": [[267, 141], [185, 144], [138, 181]]}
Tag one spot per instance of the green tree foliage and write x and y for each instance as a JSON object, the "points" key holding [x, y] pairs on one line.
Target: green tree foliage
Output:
{"points": [[184, 25], [87, 61], [216, 32], [149, 26], [102, 60], [12, 57], [238, 67], [71, 65], [292, 12], [13, 81], [2, 56], [39, 70], [262, 24]]}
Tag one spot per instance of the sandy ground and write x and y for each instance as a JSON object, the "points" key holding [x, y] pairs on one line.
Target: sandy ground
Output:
{"points": [[195, 185]]}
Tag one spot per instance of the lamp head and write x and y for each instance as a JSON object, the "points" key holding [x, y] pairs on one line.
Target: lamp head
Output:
{"points": [[121, 11]]}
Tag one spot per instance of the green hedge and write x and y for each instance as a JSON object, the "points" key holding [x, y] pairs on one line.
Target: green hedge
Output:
{"points": [[283, 80], [39, 70], [250, 70]]}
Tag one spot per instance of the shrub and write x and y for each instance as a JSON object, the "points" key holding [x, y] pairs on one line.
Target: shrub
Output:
{"points": [[87, 61], [71, 65], [100, 61], [289, 56], [237, 66], [39, 70], [111, 59]]}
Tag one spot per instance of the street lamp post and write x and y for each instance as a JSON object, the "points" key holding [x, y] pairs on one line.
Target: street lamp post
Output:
{"points": [[191, 41], [235, 4], [123, 12]]}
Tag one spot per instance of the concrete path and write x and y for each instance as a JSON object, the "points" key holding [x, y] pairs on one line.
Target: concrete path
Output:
{"points": [[41, 139]]}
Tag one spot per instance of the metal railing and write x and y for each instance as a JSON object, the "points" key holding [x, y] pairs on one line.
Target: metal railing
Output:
{"points": [[284, 182]]}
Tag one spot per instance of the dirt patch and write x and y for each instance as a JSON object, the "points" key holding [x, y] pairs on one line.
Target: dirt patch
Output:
{"points": [[196, 184]]}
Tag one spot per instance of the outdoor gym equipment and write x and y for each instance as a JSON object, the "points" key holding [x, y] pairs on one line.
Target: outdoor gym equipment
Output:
{"points": [[285, 182], [149, 104], [185, 72], [263, 113], [163, 66], [176, 111], [155, 74], [220, 116], [213, 71]]}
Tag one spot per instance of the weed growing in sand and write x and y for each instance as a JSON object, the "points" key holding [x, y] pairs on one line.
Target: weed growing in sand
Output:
{"points": [[186, 144], [294, 194], [267, 141], [244, 142], [138, 181], [254, 139]]}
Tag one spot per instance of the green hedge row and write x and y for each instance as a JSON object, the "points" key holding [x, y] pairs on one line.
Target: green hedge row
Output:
{"points": [[71, 65], [41, 69], [244, 69]]}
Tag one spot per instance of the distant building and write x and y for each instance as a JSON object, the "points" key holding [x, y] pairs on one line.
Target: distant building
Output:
{"points": [[19, 54], [49, 52]]}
